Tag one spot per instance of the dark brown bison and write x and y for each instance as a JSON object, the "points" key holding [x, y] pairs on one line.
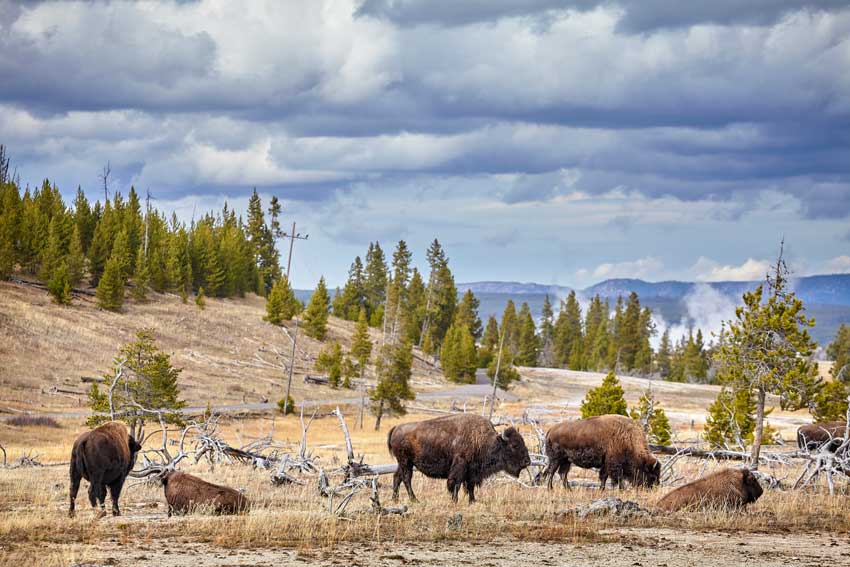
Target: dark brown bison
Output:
{"points": [[465, 449], [614, 444], [726, 488], [185, 492], [103, 456], [813, 436]]}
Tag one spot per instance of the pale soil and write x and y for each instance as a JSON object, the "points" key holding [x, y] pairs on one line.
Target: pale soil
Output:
{"points": [[658, 547]]}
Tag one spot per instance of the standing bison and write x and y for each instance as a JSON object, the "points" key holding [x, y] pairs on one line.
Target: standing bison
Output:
{"points": [[103, 456], [614, 444], [726, 488], [813, 436], [465, 449], [185, 492]]}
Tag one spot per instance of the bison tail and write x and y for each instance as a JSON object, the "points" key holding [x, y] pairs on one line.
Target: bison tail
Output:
{"points": [[389, 439]]}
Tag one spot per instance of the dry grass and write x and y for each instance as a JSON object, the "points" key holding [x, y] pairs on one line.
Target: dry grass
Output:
{"points": [[33, 505], [43, 347]]}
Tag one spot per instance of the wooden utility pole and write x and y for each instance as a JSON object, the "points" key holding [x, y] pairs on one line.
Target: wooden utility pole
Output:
{"points": [[293, 236], [291, 368], [496, 375]]}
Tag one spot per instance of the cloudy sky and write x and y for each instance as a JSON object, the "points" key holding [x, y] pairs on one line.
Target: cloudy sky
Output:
{"points": [[558, 142]]}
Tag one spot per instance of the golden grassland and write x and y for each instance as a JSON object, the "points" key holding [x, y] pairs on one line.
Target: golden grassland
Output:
{"points": [[33, 505]]}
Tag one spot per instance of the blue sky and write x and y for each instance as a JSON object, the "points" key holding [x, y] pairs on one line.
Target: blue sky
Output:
{"points": [[559, 142]]}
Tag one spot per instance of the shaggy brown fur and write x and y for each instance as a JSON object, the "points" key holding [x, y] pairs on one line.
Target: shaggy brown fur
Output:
{"points": [[185, 492], [726, 488], [103, 456], [813, 436], [614, 444], [465, 449]]}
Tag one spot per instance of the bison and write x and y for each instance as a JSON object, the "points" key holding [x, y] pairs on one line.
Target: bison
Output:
{"points": [[103, 456], [726, 488], [465, 449], [185, 492], [614, 444], [813, 436]]}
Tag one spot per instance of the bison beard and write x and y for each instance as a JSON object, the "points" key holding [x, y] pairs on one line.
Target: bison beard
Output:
{"points": [[464, 449], [614, 444], [104, 457], [185, 492], [726, 488]]}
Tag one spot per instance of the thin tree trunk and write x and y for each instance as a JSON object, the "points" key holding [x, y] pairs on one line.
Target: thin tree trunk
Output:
{"points": [[754, 456], [362, 395], [379, 416]]}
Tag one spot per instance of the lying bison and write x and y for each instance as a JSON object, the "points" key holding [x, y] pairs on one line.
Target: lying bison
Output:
{"points": [[726, 488], [465, 449], [813, 436], [614, 444], [103, 456], [185, 492]]}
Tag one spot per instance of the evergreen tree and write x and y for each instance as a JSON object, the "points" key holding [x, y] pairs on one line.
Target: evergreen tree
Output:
{"points": [[141, 276], [59, 285], [467, 314], [361, 344], [401, 267], [458, 355], [730, 419], [839, 352], [547, 334], [316, 315], [200, 299], [528, 344], [415, 309], [347, 304], [830, 402], [767, 349], [330, 361], [568, 333], [394, 368], [652, 418], [662, 358], [601, 355], [510, 327], [605, 399], [121, 253], [53, 254], [441, 302], [76, 260], [110, 289], [489, 343], [507, 371], [375, 278], [281, 303], [148, 379]]}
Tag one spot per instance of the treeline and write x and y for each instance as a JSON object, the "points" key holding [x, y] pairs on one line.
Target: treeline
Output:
{"points": [[118, 241]]}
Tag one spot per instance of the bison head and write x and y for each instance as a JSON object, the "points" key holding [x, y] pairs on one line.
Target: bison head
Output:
{"points": [[513, 451], [134, 450], [649, 473], [752, 486]]}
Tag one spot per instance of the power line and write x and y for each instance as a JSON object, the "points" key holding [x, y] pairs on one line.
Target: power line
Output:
{"points": [[292, 236]]}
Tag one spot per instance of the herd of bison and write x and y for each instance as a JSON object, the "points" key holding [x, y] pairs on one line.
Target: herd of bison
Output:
{"points": [[464, 449]]}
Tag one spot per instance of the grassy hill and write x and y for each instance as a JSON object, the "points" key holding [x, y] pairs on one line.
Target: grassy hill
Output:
{"points": [[226, 351]]}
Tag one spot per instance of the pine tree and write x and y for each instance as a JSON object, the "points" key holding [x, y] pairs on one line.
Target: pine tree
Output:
{"points": [[281, 303], [415, 309], [830, 403], [53, 254], [605, 399], [347, 304], [402, 257], [652, 418], [458, 355], [214, 272], [200, 299], [76, 260], [662, 358], [361, 344], [839, 352], [730, 419], [441, 303], [375, 278], [59, 285], [507, 371], [110, 289], [510, 328], [394, 368], [489, 343], [547, 334], [567, 334], [767, 348], [149, 379], [330, 361], [316, 315], [141, 276], [528, 345], [467, 314]]}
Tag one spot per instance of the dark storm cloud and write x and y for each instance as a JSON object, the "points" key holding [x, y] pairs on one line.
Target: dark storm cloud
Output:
{"points": [[638, 15]]}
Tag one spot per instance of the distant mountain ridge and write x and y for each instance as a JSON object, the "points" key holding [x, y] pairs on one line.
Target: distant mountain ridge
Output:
{"points": [[831, 289]]}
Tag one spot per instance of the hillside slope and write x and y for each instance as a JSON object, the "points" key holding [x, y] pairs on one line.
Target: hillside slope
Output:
{"points": [[45, 349]]}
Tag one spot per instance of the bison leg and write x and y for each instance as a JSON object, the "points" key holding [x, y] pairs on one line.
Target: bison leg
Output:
{"points": [[470, 491], [115, 493], [75, 487], [397, 476], [549, 472], [457, 473], [603, 478], [408, 483]]}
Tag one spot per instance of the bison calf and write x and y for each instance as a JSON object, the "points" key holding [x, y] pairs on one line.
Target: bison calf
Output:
{"points": [[185, 492], [103, 456], [726, 488], [614, 444], [813, 436], [465, 449]]}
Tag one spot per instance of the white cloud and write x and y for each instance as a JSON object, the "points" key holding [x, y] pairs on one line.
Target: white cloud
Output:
{"points": [[643, 268], [708, 270], [837, 265]]}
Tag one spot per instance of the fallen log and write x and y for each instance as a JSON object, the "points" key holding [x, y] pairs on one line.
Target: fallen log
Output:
{"points": [[318, 380], [90, 379], [39, 285]]}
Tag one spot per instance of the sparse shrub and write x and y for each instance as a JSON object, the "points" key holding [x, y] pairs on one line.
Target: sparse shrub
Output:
{"points": [[290, 407], [652, 418], [605, 399], [199, 299], [59, 285], [33, 421]]}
